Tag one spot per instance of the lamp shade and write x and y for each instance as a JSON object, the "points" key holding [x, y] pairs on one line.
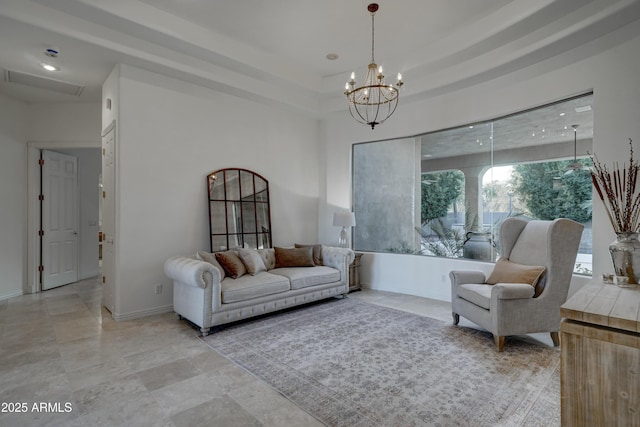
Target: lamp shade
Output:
{"points": [[344, 219]]}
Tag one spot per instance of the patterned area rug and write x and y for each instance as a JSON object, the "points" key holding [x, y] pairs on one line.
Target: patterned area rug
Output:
{"points": [[351, 363]]}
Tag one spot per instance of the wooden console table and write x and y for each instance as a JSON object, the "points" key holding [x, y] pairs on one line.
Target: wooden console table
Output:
{"points": [[600, 356]]}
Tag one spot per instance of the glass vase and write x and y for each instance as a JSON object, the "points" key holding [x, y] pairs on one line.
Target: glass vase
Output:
{"points": [[625, 255]]}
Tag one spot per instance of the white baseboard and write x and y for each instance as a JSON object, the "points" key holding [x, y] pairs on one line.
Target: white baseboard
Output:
{"points": [[143, 313], [11, 295]]}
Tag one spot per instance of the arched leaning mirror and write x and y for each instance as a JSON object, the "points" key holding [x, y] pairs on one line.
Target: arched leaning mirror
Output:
{"points": [[239, 212]]}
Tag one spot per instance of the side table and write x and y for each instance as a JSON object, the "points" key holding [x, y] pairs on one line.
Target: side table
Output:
{"points": [[600, 356], [354, 273]]}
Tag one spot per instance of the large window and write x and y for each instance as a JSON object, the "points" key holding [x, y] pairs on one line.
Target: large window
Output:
{"points": [[446, 193]]}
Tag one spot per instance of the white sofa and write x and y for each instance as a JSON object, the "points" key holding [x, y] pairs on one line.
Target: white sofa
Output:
{"points": [[204, 297]]}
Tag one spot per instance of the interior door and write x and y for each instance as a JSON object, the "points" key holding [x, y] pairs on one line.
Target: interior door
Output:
{"points": [[59, 219], [108, 218]]}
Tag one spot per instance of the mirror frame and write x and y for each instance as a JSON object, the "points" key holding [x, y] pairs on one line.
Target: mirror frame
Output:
{"points": [[239, 210]]}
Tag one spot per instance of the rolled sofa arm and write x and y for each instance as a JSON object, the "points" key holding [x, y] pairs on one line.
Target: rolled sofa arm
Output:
{"points": [[190, 271], [340, 258]]}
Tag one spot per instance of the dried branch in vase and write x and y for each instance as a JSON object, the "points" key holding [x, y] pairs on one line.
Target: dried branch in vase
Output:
{"points": [[619, 193]]}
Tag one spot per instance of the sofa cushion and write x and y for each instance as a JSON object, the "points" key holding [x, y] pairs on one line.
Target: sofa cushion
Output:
{"points": [[317, 252], [231, 263], [303, 277], [252, 261], [477, 294], [294, 257], [249, 287]]}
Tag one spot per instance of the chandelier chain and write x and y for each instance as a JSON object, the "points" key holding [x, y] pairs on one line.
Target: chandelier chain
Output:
{"points": [[373, 38]]}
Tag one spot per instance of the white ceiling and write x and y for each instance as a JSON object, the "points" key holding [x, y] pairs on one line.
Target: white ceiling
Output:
{"points": [[275, 51]]}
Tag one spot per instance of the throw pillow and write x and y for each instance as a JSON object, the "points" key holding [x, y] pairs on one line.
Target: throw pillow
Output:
{"points": [[211, 259], [317, 252], [294, 257], [252, 261], [268, 256], [231, 263], [506, 271]]}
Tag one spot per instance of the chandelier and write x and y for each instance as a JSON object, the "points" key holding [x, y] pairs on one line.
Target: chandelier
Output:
{"points": [[374, 101]]}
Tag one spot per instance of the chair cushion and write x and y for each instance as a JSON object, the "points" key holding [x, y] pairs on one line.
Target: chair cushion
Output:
{"points": [[477, 294], [303, 277], [506, 271], [249, 287]]}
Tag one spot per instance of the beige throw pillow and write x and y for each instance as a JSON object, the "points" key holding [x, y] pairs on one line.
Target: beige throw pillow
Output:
{"points": [[211, 259], [506, 271], [294, 257], [231, 263], [252, 261]]}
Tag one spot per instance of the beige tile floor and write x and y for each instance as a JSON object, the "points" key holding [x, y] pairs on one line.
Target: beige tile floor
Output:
{"points": [[62, 349]]}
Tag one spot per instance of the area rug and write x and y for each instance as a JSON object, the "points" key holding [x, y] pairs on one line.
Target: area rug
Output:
{"points": [[351, 363]]}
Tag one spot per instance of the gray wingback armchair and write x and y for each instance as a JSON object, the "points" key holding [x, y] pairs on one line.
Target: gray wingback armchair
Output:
{"points": [[516, 308]]}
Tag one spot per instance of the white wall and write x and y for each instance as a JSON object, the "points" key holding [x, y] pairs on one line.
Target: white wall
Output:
{"points": [[171, 135], [609, 66], [13, 189]]}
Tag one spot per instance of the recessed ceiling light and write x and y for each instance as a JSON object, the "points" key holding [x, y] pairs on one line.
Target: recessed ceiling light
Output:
{"points": [[583, 109], [332, 56], [562, 114], [49, 67], [426, 156]]}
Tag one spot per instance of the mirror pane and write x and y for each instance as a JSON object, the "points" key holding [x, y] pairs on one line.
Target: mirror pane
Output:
{"points": [[232, 184], [218, 243], [217, 215], [246, 185], [264, 240], [216, 186], [250, 241], [234, 221], [262, 216], [248, 217]]}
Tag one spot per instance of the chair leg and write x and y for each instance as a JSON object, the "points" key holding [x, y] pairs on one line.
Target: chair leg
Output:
{"points": [[456, 318], [555, 337], [499, 343]]}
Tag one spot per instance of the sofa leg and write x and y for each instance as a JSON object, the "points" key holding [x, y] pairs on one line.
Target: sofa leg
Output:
{"points": [[555, 337], [205, 331], [499, 343], [456, 318]]}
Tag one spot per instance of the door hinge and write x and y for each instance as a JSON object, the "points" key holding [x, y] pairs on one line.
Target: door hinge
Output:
{"points": [[104, 194], [104, 152], [104, 279], [41, 197], [41, 268], [40, 233], [41, 162]]}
